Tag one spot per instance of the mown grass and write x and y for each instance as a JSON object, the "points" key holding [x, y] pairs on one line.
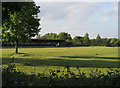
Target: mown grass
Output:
{"points": [[38, 60]]}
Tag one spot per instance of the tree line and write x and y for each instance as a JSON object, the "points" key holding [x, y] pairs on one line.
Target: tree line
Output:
{"points": [[81, 40]]}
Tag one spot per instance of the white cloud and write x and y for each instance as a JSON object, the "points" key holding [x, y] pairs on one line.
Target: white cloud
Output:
{"points": [[76, 18], [110, 14]]}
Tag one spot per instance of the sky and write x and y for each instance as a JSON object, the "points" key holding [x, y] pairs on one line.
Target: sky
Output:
{"points": [[78, 18]]}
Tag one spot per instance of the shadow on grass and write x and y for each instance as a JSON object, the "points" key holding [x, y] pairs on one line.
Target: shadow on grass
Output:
{"points": [[62, 62], [21, 54], [90, 57]]}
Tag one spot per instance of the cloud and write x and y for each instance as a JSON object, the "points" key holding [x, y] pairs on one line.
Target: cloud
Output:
{"points": [[111, 13], [77, 18]]}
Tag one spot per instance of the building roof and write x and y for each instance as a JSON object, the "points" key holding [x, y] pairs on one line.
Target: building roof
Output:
{"points": [[46, 40]]}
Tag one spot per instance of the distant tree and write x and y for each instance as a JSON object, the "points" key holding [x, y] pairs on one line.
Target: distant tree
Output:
{"points": [[77, 40], [86, 40], [20, 21], [69, 37], [52, 36], [43, 37], [116, 43], [64, 36], [105, 42], [113, 42], [98, 40], [69, 43], [93, 42]]}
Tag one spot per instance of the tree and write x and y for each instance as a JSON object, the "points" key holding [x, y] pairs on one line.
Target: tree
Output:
{"points": [[113, 42], [21, 22], [105, 42], [69, 43], [86, 40], [64, 36], [116, 43], [77, 40], [98, 40], [52, 36], [93, 42]]}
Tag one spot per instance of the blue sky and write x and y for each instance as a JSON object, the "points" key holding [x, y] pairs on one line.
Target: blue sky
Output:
{"points": [[77, 18]]}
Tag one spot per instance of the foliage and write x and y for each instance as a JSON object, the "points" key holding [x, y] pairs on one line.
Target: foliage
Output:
{"points": [[52, 36], [20, 23], [78, 41], [81, 41], [98, 40], [86, 41], [64, 36], [12, 77]]}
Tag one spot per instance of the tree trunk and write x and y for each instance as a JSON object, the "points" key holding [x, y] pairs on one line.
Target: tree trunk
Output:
{"points": [[16, 47]]}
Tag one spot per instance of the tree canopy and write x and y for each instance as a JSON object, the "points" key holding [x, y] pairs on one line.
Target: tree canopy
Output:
{"points": [[20, 21], [86, 40], [64, 36], [98, 40], [78, 40], [53, 36]]}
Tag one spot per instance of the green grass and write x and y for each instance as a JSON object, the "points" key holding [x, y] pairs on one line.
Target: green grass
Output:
{"points": [[44, 59]]}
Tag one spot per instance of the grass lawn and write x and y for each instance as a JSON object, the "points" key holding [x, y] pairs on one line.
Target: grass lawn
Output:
{"points": [[39, 60]]}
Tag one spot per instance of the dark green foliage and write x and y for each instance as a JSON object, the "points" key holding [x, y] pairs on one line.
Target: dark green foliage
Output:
{"points": [[52, 36], [69, 43], [64, 36], [81, 41], [20, 21], [98, 40], [78, 41], [105, 42], [114, 42], [86, 41], [12, 77]]}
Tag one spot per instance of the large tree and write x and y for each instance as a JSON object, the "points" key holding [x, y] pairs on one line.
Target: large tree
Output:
{"points": [[20, 21]]}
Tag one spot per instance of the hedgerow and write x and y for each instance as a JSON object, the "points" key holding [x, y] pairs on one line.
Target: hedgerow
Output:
{"points": [[13, 77]]}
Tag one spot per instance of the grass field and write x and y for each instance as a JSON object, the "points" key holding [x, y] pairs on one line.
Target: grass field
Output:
{"points": [[39, 60]]}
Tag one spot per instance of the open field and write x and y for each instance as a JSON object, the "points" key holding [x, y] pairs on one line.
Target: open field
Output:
{"points": [[39, 60]]}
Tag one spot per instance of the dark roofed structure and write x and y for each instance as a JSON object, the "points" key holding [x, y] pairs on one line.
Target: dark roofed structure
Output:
{"points": [[37, 42]]}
